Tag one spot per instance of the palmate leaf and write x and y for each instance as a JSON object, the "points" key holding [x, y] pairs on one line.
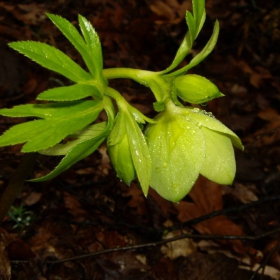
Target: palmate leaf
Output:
{"points": [[85, 134], [85, 146], [90, 50], [70, 93], [56, 125], [52, 59]]}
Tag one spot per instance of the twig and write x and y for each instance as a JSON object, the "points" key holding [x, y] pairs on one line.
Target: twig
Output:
{"points": [[223, 212], [157, 243]]}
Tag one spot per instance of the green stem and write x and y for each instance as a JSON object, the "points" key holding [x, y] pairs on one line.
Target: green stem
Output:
{"points": [[150, 79], [140, 76]]}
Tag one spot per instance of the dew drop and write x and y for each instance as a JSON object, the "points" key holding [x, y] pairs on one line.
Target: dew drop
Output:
{"points": [[165, 164]]}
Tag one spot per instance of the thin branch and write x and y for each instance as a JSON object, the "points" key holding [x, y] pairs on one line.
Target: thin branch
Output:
{"points": [[161, 242], [223, 212]]}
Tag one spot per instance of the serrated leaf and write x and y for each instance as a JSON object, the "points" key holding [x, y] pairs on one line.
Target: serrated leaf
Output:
{"points": [[191, 25], [50, 110], [76, 154], [198, 14], [203, 54], [70, 32], [81, 150], [87, 133], [42, 134], [70, 93], [93, 44], [195, 22], [52, 59], [183, 50]]}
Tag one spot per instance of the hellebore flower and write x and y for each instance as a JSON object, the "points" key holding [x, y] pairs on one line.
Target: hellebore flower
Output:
{"points": [[186, 142]]}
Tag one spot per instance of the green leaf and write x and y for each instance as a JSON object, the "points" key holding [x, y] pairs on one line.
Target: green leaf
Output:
{"points": [[195, 22], [42, 134], [50, 110], [70, 93], [92, 57], [82, 149], [202, 55], [93, 44], [77, 153], [52, 59], [191, 25], [183, 50], [87, 133], [199, 15]]}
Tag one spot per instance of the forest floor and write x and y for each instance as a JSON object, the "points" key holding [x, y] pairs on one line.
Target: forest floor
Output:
{"points": [[86, 224]]}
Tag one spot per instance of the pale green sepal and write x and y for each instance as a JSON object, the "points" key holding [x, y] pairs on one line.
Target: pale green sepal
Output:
{"points": [[52, 59], [70, 93], [219, 163], [87, 133], [206, 119], [139, 152], [196, 89], [177, 150]]}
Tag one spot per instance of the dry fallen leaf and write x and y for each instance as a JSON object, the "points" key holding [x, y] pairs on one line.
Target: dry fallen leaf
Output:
{"points": [[207, 197]]}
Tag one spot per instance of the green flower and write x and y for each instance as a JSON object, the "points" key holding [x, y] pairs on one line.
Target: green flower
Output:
{"points": [[186, 142]]}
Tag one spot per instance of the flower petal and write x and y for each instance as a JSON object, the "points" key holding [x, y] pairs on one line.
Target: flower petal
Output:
{"points": [[177, 150], [219, 164]]}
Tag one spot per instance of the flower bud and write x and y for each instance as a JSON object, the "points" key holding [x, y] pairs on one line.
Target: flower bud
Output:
{"points": [[196, 89], [121, 159]]}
